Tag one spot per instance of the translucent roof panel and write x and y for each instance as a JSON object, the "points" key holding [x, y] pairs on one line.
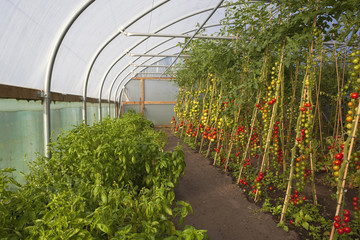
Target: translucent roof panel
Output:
{"points": [[95, 47]]}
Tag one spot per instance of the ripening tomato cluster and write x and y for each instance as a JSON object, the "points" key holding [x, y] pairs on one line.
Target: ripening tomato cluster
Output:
{"points": [[258, 179], [217, 150], [254, 140], [259, 106], [339, 158], [296, 199], [204, 117], [356, 206], [190, 131], [246, 163], [279, 157], [341, 224], [243, 181], [275, 138], [209, 134], [301, 172]]}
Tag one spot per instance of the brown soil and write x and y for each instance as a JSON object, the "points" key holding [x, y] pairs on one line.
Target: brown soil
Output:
{"points": [[219, 205]]}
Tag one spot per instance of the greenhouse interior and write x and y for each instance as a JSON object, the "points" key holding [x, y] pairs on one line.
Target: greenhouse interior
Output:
{"points": [[178, 119]]}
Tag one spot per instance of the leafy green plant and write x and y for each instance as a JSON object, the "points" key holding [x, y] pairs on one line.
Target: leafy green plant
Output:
{"points": [[112, 180]]}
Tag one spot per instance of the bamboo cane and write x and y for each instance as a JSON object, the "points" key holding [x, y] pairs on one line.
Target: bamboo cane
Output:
{"points": [[209, 114], [344, 169], [232, 137], [249, 138]]}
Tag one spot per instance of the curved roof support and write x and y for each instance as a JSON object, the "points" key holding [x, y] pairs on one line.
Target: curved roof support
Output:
{"points": [[49, 71], [100, 51], [152, 48], [202, 25], [137, 44]]}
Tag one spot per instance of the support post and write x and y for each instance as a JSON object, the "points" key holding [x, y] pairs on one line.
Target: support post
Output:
{"points": [[142, 97]]}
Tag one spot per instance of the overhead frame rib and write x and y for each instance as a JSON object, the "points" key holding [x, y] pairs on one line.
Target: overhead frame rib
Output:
{"points": [[202, 25], [137, 44], [156, 55], [178, 36], [117, 89], [102, 48], [49, 71]]}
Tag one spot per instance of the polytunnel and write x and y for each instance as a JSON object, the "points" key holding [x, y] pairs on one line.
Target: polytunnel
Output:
{"points": [[179, 119], [78, 59]]}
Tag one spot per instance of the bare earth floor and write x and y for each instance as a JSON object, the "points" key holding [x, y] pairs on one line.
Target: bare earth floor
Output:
{"points": [[219, 205]]}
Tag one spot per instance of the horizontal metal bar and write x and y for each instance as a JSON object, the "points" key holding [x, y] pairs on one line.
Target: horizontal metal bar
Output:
{"points": [[130, 34], [148, 72], [149, 102], [156, 55], [152, 78], [160, 66]]}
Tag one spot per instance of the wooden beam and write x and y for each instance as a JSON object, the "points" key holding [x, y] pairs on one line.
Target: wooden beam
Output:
{"points": [[149, 102], [20, 93], [152, 78], [142, 97]]}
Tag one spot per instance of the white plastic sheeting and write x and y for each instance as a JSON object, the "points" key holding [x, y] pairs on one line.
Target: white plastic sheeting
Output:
{"points": [[29, 31]]}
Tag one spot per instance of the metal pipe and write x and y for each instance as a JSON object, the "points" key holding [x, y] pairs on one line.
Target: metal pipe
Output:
{"points": [[129, 34], [202, 25], [49, 71], [116, 94], [100, 51], [141, 41], [156, 55], [160, 66]]}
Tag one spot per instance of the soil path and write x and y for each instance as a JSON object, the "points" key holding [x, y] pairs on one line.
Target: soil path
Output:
{"points": [[219, 205]]}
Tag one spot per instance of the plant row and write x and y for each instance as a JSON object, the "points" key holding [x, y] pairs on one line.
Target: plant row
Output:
{"points": [[111, 180], [278, 109]]}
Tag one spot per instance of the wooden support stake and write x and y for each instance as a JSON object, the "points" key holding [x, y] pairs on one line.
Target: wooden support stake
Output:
{"points": [[249, 138], [342, 180], [232, 138]]}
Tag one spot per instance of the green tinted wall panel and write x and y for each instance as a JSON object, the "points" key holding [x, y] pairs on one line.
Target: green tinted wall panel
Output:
{"points": [[22, 128]]}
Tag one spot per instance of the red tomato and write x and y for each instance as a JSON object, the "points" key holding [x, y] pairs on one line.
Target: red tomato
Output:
{"points": [[337, 162], [354, 95], [355, 199], [337, 218], [346, 212], [338, 156], [340, 231], [347, 229], [336, 225]]}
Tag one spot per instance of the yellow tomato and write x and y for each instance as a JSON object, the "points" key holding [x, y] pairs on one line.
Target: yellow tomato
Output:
{"points": [[349, 118]]}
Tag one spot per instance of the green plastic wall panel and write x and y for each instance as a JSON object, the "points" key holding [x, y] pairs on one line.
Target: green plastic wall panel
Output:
{"points": [[22, 129]]}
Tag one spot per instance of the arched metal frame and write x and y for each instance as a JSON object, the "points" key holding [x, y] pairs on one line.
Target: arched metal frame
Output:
{"points": [[140, 42], [152, 48], [50, 67], [102, 48], [48, 76], [202, 25], [136, 45]]}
